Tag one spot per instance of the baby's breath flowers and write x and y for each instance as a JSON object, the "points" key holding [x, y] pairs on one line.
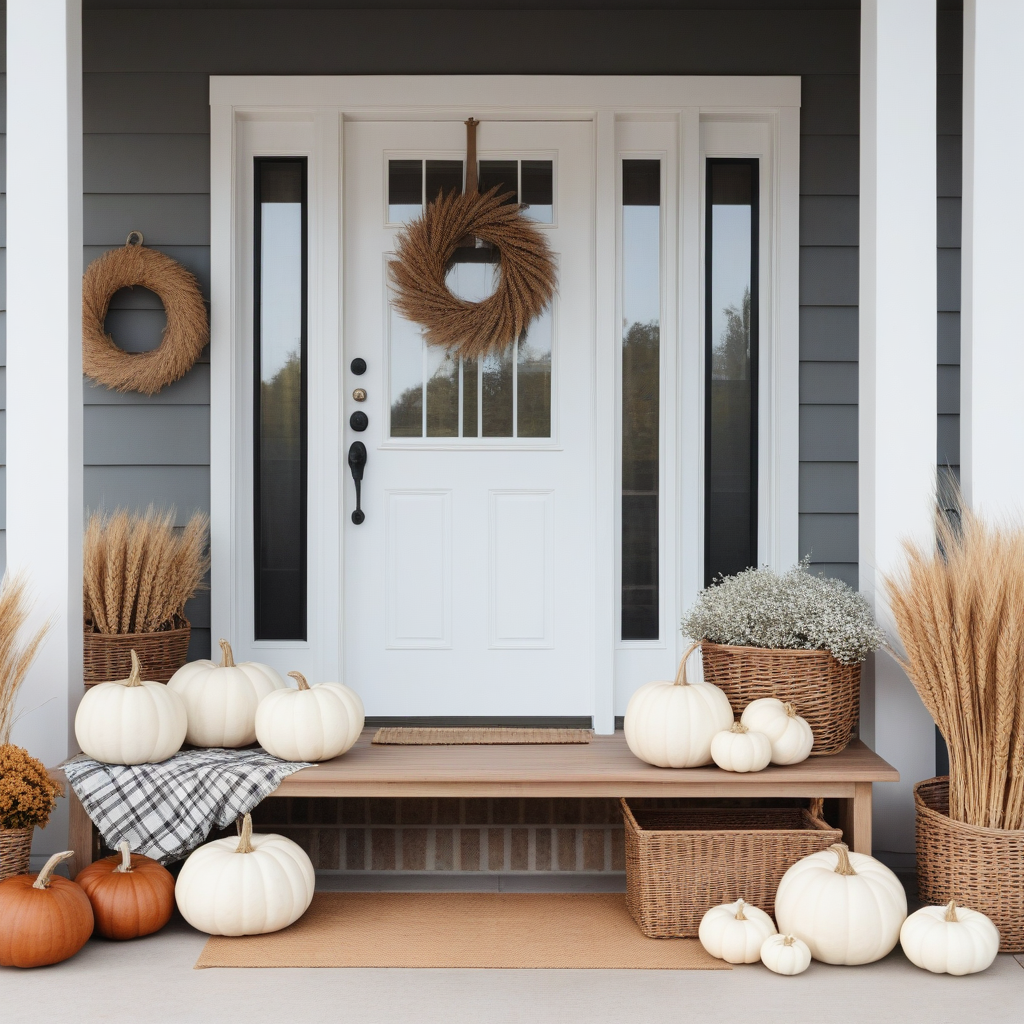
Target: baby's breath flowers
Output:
{"points": [[792, 611]]}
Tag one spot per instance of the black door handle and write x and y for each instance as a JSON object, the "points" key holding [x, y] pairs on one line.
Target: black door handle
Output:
{"points": [[356, 462]]}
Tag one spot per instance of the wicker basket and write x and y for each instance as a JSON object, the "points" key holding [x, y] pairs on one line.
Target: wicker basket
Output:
{"points": [[680, 863], [982, 868], [15, 847], [109, 655], [823, 690]]}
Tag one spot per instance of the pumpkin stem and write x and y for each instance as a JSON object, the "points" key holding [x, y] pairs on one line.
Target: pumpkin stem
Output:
{"points": [[135, 677], [43, 878], [245, 839], [300, 679], [788, 940], [227, 659], [842, 851], [790, 710], [126, 858], [739, 727], [740, 916], [951, 911], [681, 679]]}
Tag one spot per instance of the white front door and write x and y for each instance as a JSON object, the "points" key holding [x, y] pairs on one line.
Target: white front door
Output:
{"points": [[469, 585]]}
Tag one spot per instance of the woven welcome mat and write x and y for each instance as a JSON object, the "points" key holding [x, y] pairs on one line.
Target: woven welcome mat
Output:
{"points": [[430, 737], [439, 930]]}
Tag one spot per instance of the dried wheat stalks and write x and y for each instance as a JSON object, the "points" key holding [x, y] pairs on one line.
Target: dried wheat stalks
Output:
{"points": [[139, 571], [15, 657], [959, 612]]}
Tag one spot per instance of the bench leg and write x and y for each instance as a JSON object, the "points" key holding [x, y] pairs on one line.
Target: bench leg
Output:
{"points": [[80, 832], [855, 818]]}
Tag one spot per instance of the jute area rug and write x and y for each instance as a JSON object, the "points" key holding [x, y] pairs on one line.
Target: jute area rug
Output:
{"points": [[420, 736], [428, 929]]}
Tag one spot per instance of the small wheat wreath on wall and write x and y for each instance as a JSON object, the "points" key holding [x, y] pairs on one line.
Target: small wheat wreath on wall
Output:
{"points": [[184, 337], [425, 247]]}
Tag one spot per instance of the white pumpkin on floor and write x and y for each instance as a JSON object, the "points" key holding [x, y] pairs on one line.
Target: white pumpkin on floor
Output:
{"points": [[739, 749], [790, 735], [672, 724], [221, 700], [132, 721], [950, 940], [312, 723], [735, 932], [785, 954], [246, 886], [847, 907]]}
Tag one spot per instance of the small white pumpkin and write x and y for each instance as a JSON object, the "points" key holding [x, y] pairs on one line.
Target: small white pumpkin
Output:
{"points": [[246, 886], [950, 939], [785, 954], [790, 735], [740, 749], [131, 721], [847, 907], [312, 723], [672, 724], [221, 700], [735, 932]]}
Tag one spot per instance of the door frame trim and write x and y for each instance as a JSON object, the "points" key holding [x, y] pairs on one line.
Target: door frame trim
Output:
{"points": [[323, 104]]}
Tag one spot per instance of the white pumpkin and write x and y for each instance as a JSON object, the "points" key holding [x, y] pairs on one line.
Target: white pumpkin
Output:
{"points": [[950, 940], [785, 954], [312, 723], [672, 724], [246, 886], [735, 932], [790, 735], [132, 721], [221, 700], [847, 907], [740, 749]]}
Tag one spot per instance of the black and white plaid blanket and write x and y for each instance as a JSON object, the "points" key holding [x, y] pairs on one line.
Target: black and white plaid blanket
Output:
{"points": [[166, 810]]}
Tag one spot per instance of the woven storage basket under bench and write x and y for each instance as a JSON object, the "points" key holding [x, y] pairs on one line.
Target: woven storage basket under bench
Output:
{"points": [[682, 862]]}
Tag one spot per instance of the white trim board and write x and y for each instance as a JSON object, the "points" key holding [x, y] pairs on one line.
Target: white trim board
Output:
{"points": [[707, 115]]}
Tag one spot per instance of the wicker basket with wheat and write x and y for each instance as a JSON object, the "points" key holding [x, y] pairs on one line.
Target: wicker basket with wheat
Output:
{"points": [[959, 612], [139, 572]]}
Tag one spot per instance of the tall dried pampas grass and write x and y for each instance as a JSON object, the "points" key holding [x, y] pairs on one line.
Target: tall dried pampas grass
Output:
{"points": [[140, 571], [15, 656], [959, 612]]}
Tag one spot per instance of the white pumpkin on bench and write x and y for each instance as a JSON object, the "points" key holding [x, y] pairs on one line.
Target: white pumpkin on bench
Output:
{"points": [[221, 700]]}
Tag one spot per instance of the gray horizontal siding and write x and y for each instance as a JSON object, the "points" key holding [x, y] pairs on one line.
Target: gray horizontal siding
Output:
{"points": [[163, 219], [828, 487], [147, 163], [184, 488], [3, 319], [147, 435]]}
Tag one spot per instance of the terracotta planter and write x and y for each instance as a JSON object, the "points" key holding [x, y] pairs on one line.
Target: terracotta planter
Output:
{"points": [[981, 868]]}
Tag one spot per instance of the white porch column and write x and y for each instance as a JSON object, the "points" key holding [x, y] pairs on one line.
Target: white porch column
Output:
{"points": [[897, 366], [991, 340], [44, 357]]}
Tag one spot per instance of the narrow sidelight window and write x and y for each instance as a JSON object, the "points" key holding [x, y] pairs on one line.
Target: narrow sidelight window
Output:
{"points": [[641, 357], [730, 486], [281, 371]]}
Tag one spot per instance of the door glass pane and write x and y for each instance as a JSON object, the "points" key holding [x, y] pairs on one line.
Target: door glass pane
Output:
{"points": [[406, 377], [442, 393], [443, 176], [405, 190], [280, 358], [641, 357], [497, 394], [470, 396], [533, 391], [504, 173], [538, 190], [731, 485]]}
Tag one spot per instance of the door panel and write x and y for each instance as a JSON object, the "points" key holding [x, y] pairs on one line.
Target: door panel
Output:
{"points": [[469, 586]]}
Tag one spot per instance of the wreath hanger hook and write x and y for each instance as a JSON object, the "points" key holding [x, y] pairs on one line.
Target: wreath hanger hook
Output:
{"points": [[471, 185], [134, 238]]}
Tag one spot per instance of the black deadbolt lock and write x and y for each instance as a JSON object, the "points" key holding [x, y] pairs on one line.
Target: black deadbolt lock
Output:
{"points": [[358, 367], [359, 420]]}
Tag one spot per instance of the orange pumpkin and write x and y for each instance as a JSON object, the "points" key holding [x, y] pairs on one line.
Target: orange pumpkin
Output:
{"points": [[131, 895], [43, 919]]}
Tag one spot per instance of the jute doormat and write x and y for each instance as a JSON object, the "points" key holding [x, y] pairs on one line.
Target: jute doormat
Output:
{"points": [[428, 929], [430, 737]]}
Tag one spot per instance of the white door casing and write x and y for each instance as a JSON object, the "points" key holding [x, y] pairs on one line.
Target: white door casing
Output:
{"points": [[679, 119]]}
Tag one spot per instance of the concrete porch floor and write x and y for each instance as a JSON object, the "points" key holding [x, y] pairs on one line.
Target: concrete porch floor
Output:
{"points": [[153, 980]]}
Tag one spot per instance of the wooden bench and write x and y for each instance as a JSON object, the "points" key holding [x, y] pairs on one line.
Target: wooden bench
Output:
{"points": [[603, 768]]}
